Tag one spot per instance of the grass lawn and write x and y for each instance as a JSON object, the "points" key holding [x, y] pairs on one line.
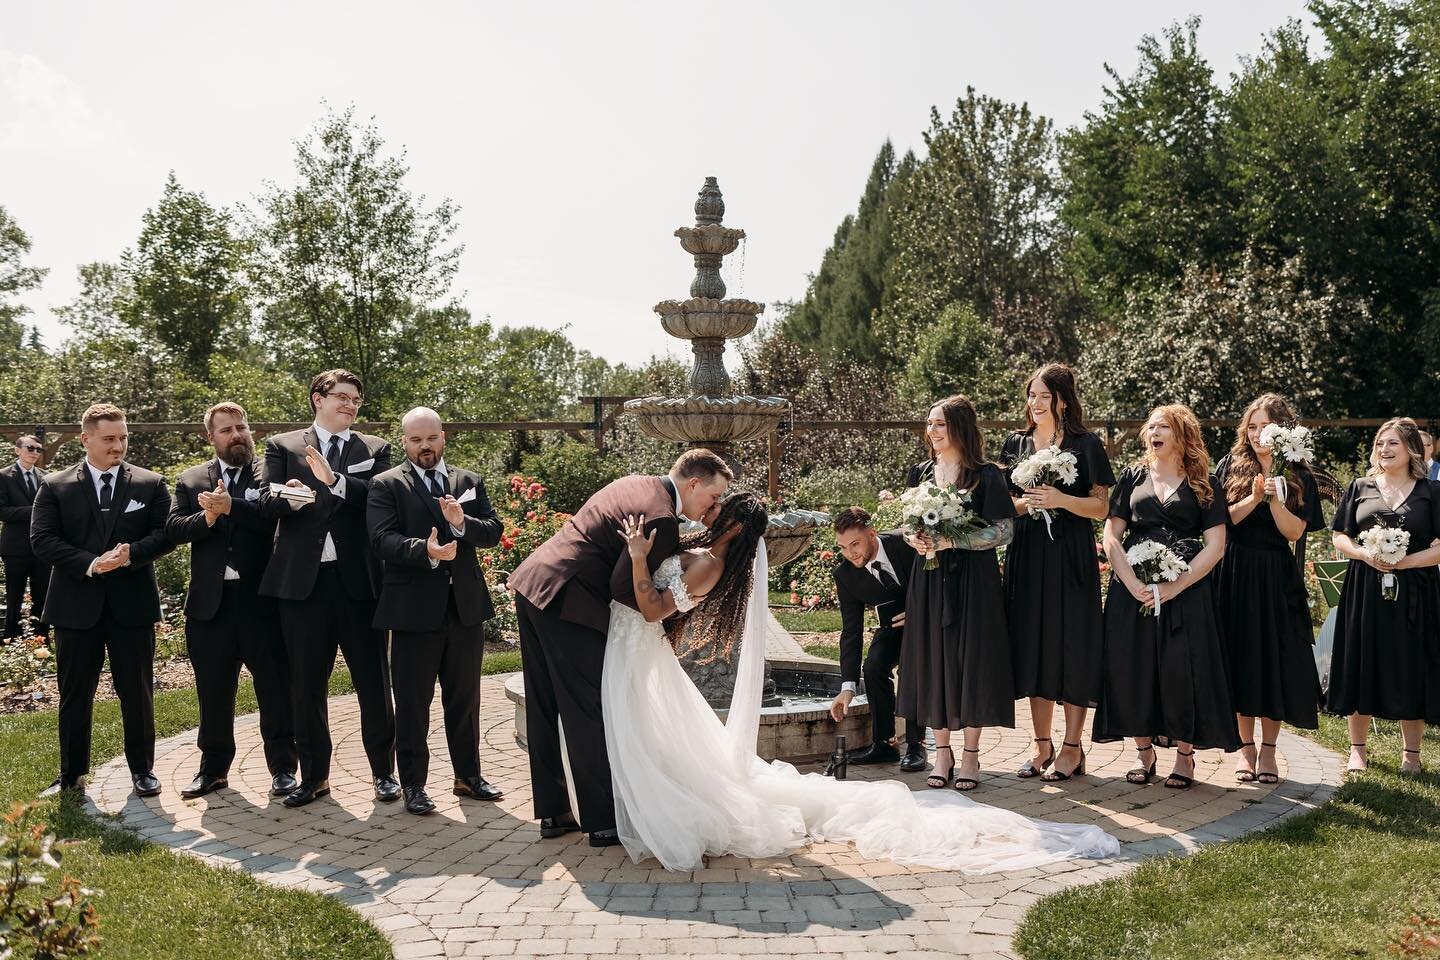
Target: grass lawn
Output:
{"points": [[1339, 882], [157, 904]]}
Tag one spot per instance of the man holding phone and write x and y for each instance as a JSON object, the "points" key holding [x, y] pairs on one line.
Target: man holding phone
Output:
{"points": [[874, 573]]}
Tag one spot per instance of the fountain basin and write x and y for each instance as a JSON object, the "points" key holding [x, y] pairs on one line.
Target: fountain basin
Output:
{"points": [[708, 420], [790, 533], [702, 317], [709, 239]]}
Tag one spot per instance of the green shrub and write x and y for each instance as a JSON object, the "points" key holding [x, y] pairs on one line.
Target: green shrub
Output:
{"points": [[571, 472]]}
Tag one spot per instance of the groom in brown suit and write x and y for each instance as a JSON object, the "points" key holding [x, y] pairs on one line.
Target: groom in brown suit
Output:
{"points": [[562, 596]]}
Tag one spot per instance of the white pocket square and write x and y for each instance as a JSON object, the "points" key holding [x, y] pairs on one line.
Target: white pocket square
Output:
{"points": [[251, 495], [466, 497], [361, 467], [134, 505]]}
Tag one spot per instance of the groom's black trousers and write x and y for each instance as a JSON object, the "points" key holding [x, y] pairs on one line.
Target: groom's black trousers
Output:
{"points": [[562, 662]]}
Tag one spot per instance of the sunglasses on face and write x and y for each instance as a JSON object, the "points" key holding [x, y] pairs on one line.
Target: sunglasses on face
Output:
{"points": [[33, 449]]}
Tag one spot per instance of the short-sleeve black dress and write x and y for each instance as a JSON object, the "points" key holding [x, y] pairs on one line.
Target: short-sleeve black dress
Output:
{"points": [[1265, 615], [955, 656], [1165, 674], [1052, 586], [1386, 659]]}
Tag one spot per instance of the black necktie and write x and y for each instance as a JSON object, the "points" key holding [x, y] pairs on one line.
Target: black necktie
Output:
{"points": [[30, 483], [106, 495], [883, 575], [332, 455], [437, 483], [230, 474]]}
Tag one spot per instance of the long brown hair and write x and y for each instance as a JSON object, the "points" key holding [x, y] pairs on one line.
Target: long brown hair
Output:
{"points": [[1409, 433], [1059, 379], [1244, 463], [1194, 458], [722, 613], [962, 426]]}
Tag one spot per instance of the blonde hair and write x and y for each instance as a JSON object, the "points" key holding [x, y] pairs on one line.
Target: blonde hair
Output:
{"points": [[97, 412], [224, 406], [1409, 434]]}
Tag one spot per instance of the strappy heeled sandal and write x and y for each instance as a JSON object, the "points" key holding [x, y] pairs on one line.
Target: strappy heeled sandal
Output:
{"points": [[1246, 776], [1178, 781], [1030, 770], [1266, 778], [1143, 775], [1356, 771], [966, 784], [938, 780], [1414, 771], [1055, 776]]}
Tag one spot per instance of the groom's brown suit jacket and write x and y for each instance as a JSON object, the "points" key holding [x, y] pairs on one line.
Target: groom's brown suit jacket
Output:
{"points": [[586, 565]]}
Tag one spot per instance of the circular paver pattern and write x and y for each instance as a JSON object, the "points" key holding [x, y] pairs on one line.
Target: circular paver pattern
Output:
{"points": [[474, 879]]}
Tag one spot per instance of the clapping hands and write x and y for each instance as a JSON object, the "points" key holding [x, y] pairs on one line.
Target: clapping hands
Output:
{"points": [[452, 511], [319, 466], [435, 551], [216, 503], [112, 559]]}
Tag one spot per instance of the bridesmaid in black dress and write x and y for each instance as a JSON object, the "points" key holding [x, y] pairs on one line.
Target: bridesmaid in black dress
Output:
{"points": [[1165, 673], [955, 669], [1386, 660], [1052, 579], [1264, 613]]}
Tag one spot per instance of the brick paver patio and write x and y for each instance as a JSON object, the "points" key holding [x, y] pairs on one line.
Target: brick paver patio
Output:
{"points": [[474, 879]]}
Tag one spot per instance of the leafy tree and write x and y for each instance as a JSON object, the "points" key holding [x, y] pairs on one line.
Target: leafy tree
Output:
{"points": [[100, 309], [961, 353], [15, 278]]}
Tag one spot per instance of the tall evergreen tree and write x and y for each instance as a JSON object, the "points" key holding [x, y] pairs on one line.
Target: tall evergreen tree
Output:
{"points": [[16, 277]]}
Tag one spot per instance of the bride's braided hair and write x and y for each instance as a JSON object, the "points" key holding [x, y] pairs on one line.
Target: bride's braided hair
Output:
{"points": [[720, 618]]}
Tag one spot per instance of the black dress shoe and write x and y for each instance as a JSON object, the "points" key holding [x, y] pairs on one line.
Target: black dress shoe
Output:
{"points": [[604, 838], [478, 788], [282, 784], [387, 789], [878, 752], [307, 793], [916, 758], [203, 784], [61, 785], [418, 802], [146, 784], [558, 826]]}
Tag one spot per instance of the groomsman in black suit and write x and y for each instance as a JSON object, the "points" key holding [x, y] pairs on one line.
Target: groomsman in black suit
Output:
{"points": [[426, 519], [100, 525], [874, 573], [326, 579], [19, 483], [227, 622]]}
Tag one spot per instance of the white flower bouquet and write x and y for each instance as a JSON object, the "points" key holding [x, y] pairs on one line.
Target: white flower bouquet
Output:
{"points": [[1291, 444], [1388, 544], [938, 512], [1050, 466], [1154, 563]]}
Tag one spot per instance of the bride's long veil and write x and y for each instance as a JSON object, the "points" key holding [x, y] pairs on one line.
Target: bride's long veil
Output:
{"points": [[742, 723]]}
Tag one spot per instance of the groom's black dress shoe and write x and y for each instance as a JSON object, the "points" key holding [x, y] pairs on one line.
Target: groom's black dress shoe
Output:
{"points": [[478, 788], [283, 784], [916, 758], [307, 793], [604, 838], [387, 789], [417, 801], [146, 784], [558, 826], [203, 784], [879, 752]]}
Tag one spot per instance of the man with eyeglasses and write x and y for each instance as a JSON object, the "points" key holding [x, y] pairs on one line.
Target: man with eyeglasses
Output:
{"points": [[326, 579], [18, 485]]}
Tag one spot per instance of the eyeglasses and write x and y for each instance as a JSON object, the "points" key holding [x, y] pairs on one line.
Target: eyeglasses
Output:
{"points": [[347, 399], [33, 449]]}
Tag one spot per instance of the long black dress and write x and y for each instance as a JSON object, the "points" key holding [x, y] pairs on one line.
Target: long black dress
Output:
{"points": [[1265, 615], [1052, 587], [1165, 674], [1386, 660], [954, 659]]}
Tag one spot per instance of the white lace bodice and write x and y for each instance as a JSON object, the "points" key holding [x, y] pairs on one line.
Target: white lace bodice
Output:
{"points": [[670, 575]]}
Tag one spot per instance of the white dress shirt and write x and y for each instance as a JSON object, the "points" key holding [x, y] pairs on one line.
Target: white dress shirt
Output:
{"points": [[322, 438], [440, 471], [95, 474], [230, 572], [884, 560]]}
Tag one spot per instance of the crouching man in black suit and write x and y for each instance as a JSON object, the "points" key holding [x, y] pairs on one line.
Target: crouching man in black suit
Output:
{"points": [[100, 525], [426, 518], [227, 622], [874, 573]]}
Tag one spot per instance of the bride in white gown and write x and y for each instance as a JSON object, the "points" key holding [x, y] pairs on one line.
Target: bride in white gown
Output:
{"points": [[688, 785]]}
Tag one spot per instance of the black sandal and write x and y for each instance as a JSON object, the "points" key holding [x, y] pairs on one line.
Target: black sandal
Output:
{"points": [[1266, 778], [1356, 771], [1030, 770], [937, 780], [1142, 775], [1055, 776], [1178, 781], [1246, 776], [966, 784], [1411, 773]]}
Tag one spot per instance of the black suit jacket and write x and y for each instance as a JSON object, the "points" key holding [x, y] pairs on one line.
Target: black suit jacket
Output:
{"points": [[300, 534], [68, 531], [241, 539], [15, 502], [857, 589], [401, 512]]}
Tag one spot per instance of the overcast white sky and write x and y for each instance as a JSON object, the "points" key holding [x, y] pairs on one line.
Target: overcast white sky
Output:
{"points": [[573, 136]]}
